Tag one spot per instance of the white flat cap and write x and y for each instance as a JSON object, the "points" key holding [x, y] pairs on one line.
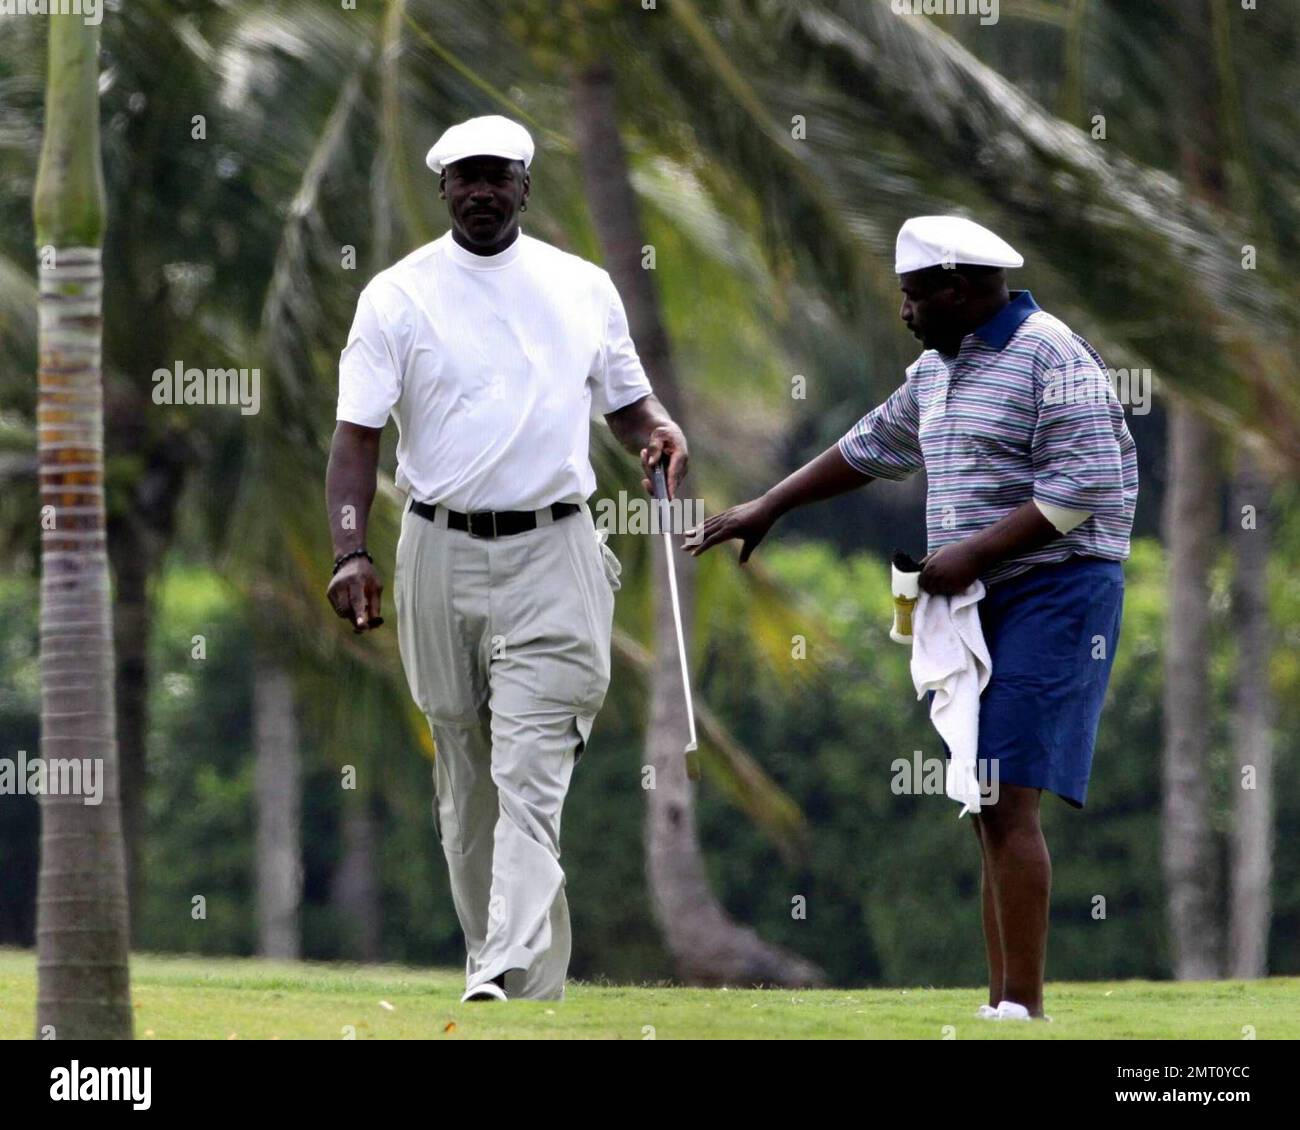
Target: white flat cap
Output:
{"points": [[932, 241], [490, 136]]}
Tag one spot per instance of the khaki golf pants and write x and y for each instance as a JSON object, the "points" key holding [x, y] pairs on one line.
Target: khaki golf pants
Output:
{"points": [[505, 644]]}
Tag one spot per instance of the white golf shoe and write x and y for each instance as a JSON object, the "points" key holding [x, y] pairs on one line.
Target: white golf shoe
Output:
{"points": [[1009, 1010], [488, 991]]}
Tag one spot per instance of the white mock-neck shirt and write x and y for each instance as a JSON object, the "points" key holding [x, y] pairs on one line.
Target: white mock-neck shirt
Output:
{"points": [[493, 367]]}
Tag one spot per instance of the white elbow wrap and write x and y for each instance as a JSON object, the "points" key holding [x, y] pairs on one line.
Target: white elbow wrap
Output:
{"points": [[1062, 517]]}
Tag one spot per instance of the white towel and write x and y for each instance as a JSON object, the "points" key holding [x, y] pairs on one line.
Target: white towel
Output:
{"points": [[949, 657]]}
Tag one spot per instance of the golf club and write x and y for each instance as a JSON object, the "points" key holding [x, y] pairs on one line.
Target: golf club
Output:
{"points": [[665, 528]]}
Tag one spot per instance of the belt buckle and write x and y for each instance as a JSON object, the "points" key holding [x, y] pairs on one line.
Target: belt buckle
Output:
{"points": [[469, 523]]}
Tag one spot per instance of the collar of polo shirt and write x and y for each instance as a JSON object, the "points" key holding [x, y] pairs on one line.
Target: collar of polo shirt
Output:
{"points": [[1001, 328]]}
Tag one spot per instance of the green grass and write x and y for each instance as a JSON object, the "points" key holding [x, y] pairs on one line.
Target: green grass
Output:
{"points": [[248, 999]]}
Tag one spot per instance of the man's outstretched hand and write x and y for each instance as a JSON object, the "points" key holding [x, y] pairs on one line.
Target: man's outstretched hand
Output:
{"points": [[749, 522], [354, 594]]}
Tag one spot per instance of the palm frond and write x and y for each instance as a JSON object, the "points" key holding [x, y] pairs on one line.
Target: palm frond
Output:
{"points": [[885, 146]]}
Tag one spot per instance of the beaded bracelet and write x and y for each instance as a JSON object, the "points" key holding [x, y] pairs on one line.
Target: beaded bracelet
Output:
{"points": [[342, 558]]}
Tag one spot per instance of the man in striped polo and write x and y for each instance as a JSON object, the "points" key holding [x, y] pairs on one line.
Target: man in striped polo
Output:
{"points": [[1032, 488]]}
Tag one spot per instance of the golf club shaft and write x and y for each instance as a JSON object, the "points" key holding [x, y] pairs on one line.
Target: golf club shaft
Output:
{"points": [[681, 641], [665, 525]]}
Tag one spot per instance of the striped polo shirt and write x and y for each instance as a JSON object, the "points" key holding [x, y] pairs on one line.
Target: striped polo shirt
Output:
{"points": [[1024, 411]]}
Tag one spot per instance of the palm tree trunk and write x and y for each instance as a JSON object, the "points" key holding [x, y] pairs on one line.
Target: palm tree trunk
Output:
{"points": [[707, 946], [83, 979], [355, 892], [278, 791], [1189, 857], [132, 621], [1251, 842], [1252, 831]]}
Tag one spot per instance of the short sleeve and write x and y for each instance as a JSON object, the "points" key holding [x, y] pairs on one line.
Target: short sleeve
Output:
{"points": [[884, 443], [370, 377], [617, 379], [1076, 443]]}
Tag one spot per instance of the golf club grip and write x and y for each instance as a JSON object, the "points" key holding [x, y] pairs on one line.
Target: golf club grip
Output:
{"points": [[660, 483]]}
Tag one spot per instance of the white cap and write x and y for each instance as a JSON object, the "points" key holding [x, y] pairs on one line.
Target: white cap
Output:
{"points": [[933, 241], [490, 136]]}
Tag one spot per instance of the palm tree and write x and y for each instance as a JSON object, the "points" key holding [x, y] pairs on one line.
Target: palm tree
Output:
{"points": [[901, 118], [196, 286], [278, 795], [1250, 908], [707, 945], [1190, 530], [82, 943], [1251, 856]]}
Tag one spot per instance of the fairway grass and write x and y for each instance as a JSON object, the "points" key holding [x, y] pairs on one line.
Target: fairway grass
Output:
{"points": [[203, 998]]}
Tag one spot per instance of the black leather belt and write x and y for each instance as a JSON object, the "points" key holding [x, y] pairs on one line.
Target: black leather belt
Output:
{"points": [[494, 523]]}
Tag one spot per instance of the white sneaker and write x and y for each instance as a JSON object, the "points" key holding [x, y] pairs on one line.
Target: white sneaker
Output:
{"points": [[987, 1012], [488, 991], [1009, 1010]]}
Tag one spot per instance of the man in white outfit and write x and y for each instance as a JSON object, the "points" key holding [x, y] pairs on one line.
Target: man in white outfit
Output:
{"points": [[493, 351]]}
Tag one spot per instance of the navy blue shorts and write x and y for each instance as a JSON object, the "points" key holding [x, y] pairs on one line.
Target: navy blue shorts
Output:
{"points": [[1051, 633]]}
